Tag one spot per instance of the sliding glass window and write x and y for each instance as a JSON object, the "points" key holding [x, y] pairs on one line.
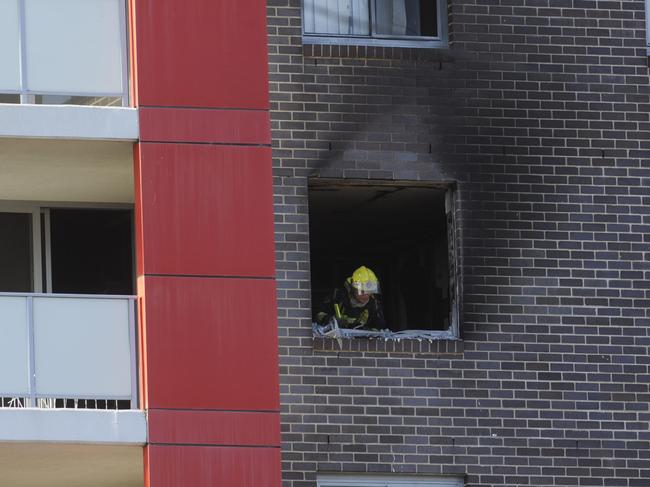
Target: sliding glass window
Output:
{"points": [[379, 21]]}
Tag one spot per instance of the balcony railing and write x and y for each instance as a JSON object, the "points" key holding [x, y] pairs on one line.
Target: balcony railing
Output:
{"points": [[64, 52], [61, 349]]}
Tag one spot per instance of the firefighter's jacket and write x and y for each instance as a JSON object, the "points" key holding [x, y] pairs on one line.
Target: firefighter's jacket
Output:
{"points": [[353, 315]]}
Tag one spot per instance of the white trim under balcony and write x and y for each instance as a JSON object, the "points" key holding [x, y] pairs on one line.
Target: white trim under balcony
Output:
{"points": [[69, 122], [79, 426]]}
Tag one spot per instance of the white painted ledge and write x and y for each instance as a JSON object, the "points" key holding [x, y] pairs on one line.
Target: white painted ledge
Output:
{"points": [[123, 427], [68, 122]]}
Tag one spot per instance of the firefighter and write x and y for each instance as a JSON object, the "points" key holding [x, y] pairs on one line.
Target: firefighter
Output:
{"points": [[356, 305]]}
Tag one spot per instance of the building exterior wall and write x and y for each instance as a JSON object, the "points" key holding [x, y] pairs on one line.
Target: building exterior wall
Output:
{"points": [[202, 168], [538, 111]]}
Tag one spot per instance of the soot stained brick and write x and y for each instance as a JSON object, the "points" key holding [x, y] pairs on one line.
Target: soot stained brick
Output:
{"points": [[539, 111]]}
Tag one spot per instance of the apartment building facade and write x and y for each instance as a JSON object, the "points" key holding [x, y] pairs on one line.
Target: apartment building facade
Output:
{"points": [[183, 184], [532, 116]]}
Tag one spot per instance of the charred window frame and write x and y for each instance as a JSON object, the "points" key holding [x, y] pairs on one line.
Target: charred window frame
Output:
{"points": [[404, 23], [406, 232]]}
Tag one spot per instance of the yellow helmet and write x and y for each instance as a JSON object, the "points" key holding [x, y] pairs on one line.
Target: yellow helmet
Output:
{"points": [[364, 281]]}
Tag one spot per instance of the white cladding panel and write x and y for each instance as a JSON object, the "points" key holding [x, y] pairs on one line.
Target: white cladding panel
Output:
{"points": [[9, 46], [82, 347], [71, 426], [74, 46], [14, 358]]}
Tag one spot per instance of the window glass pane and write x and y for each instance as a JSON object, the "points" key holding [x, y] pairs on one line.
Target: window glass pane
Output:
{"points": [[405, 18], [91, 251], [73, 46], [339, 17], [104, 101], [16, 252], [9, 46], [9, 98]]}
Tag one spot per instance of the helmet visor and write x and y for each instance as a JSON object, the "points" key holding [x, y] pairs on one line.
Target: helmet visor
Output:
{"points": [[368, 287]]}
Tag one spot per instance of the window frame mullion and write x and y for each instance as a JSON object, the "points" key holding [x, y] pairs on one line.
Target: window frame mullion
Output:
{"points": [[22, 47], [453, 256]]}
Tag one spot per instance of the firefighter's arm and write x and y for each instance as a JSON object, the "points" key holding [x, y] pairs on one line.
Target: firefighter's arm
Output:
{"points": [[329, 308]]}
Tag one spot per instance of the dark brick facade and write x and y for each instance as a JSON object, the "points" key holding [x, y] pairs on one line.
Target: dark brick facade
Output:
{"points": [[539, 112]]}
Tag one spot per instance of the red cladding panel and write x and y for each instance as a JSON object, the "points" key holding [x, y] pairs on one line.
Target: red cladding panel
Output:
{"points": [[172, 466], [206, 210], [211, 343], [214, 427], [203, 53], [250, 127]]}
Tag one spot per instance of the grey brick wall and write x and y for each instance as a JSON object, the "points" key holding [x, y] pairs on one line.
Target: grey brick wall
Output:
{"points": [[539, 110]]}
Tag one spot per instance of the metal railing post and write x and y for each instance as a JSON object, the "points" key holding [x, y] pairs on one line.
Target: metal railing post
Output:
{"points": [[134, 364], [31, 352]]}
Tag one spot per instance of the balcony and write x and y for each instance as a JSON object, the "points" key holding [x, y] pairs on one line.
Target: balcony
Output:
{"points": [[62, 348], [69, 390], [69, 412], [65, 70]]}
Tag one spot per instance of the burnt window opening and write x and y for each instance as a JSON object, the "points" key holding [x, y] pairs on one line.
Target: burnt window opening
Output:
{"points": [[405, 234]]}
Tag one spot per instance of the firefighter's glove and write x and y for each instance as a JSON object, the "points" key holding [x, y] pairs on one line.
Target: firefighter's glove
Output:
{"points": [[346, 321], [363, 319], [352, 322], [322, 318]]}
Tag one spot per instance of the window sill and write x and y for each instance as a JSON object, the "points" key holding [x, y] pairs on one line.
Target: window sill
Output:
{"points": [[441, 347], [374, 42], [68, 122], [344, 50]]}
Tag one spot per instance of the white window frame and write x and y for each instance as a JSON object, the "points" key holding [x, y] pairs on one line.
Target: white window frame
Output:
{"points": [[387, 481], [381, 40], [37, 250], [28, 97]]}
